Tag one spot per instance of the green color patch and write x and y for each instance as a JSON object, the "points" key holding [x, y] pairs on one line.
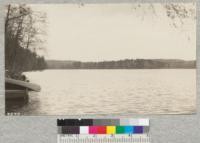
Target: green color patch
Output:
{"points": [[120, 129]]}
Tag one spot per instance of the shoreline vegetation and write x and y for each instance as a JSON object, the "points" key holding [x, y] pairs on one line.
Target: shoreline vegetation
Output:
{"points": [[23, 41], [123, 64]]}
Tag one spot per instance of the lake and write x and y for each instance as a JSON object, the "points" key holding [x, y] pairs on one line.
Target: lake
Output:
{"points": [[121, 92]]}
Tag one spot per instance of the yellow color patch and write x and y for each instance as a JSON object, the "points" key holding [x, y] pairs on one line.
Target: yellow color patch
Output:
{"points": [[110, 130]]}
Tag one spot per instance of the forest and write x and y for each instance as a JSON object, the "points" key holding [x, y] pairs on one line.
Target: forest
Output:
{"points": [[123, 64], [22, 40]]}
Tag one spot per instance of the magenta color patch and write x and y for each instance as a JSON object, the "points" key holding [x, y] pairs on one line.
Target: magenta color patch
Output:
{"points": [[93, 130]]}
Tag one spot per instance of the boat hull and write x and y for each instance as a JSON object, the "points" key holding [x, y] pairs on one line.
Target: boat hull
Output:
{"points": [[17, 84], [16, 95]]}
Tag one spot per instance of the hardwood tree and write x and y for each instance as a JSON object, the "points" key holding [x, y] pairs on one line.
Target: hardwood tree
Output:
{"points": [[24, 30]]}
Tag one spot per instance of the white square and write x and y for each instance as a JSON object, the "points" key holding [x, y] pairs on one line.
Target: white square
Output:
{"points": [[84, 130], [144, 122]]}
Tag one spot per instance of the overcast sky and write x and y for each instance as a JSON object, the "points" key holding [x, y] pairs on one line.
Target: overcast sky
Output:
{"points": [[97, 32]]}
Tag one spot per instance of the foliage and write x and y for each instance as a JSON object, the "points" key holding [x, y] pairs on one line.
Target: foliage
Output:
{"points": [[23, 39], [123, 64]]}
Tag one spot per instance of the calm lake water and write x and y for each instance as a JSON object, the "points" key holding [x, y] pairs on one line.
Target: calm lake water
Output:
{"points": [[149, 91]]}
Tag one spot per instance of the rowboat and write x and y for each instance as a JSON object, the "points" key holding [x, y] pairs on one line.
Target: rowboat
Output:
{"points": [[17, 89]]}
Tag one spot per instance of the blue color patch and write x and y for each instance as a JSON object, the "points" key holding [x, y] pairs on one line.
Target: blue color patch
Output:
{"points": [[138, 129], [129, 129]]}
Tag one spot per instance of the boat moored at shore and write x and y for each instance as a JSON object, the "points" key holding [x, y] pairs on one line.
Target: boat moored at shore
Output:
{"points": [[19, 90]]}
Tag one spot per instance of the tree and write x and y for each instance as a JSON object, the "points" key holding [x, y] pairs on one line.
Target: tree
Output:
{"points": [[23, 30]]}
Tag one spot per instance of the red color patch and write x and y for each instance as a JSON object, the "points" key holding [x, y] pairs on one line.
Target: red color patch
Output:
{"points": [[101, 129]]}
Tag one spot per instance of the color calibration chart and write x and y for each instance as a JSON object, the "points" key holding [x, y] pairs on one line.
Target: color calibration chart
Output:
{"points": [[103, 131]]}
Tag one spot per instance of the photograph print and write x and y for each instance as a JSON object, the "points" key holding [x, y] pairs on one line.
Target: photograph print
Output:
{"points": [[100, 59]]}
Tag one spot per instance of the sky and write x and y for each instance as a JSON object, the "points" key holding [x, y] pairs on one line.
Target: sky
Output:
{"points": [[99, 32]]}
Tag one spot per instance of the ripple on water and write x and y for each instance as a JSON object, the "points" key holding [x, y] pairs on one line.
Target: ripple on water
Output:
{"points": [[65, 92]]}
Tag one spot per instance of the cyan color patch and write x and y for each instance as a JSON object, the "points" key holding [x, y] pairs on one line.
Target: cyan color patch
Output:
{"points": [[129, 129]]}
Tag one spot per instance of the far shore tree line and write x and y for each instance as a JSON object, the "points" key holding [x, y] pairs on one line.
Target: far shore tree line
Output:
{"points": [[123, 64]]}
